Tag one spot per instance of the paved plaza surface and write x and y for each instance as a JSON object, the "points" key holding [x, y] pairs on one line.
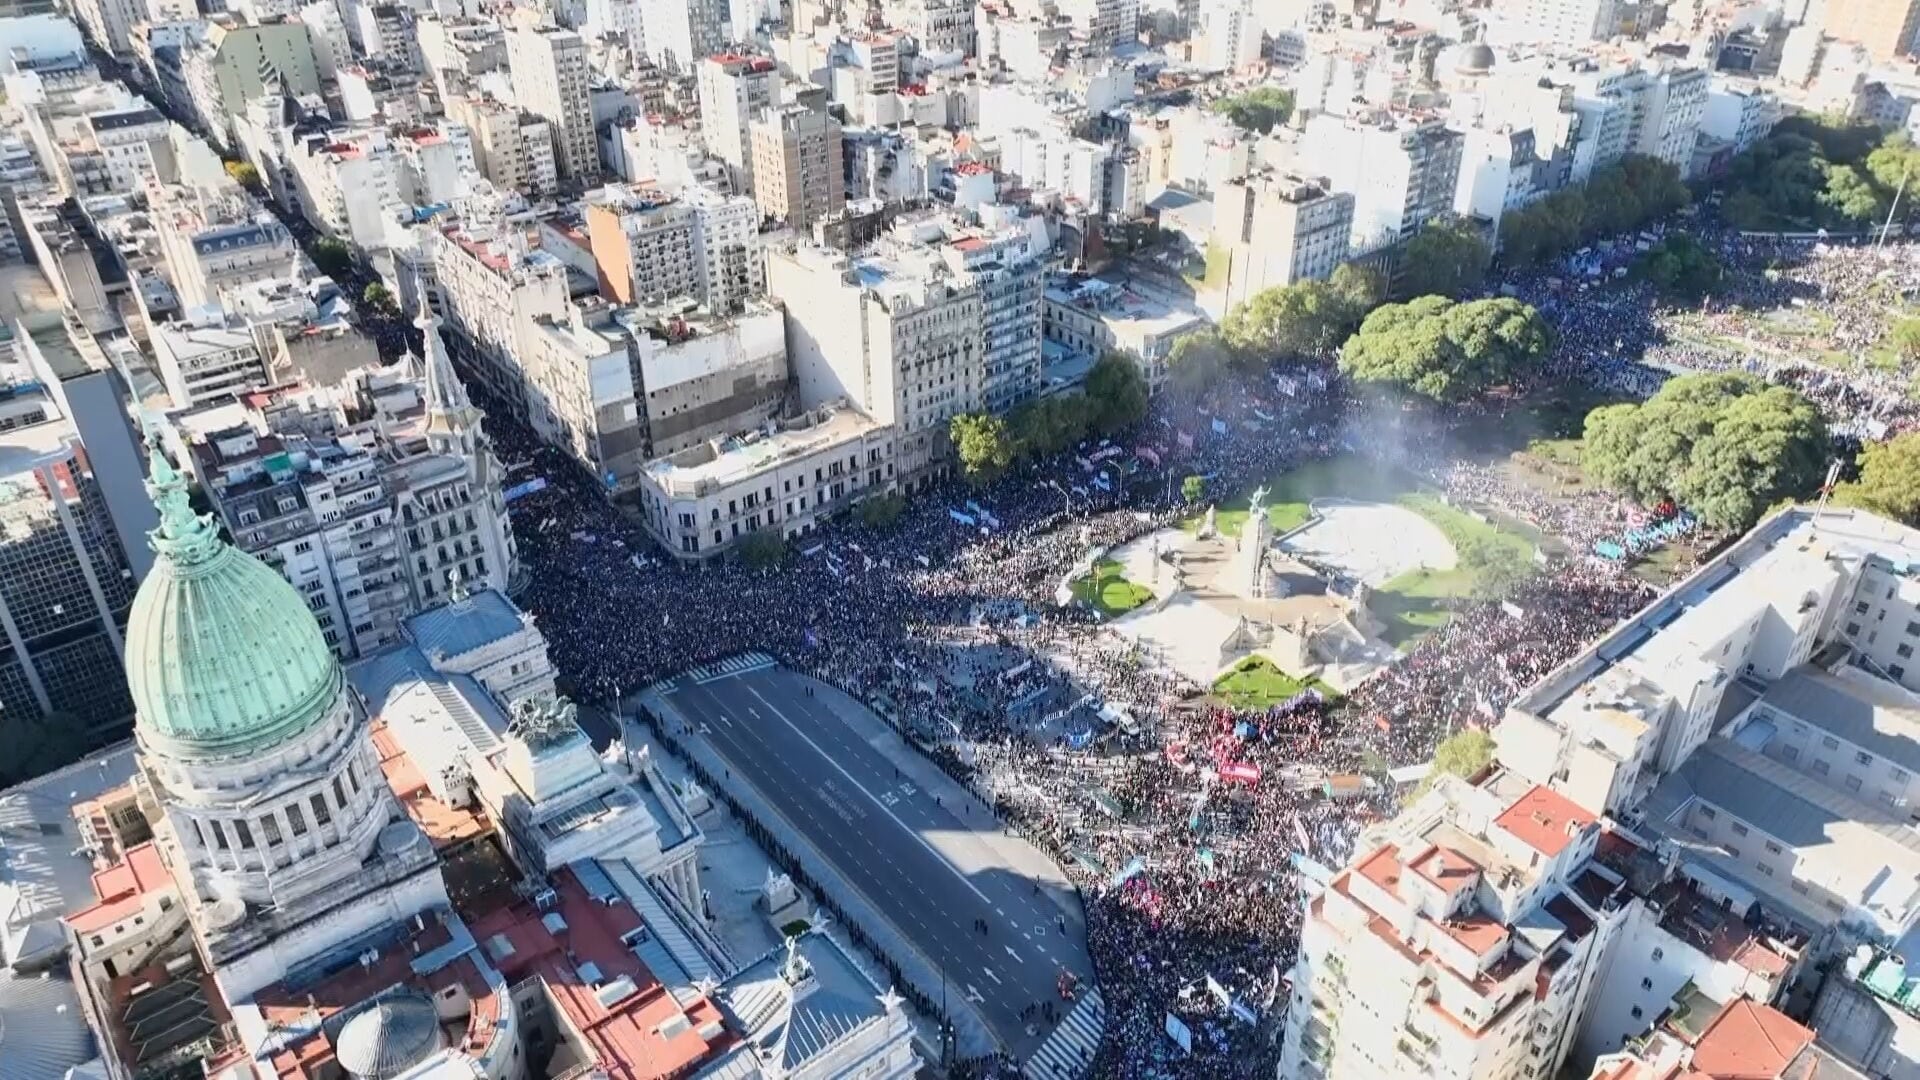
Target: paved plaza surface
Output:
{"points": [[926, 853], [1374, 542]]}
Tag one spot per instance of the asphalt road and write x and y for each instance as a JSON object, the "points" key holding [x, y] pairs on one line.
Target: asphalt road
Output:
{"points": [[918, 860]]}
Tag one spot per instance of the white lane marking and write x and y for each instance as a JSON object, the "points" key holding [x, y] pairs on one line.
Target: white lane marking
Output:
{"points": [[841, 769], [1015, 955], [991, 975], [974, 995]]}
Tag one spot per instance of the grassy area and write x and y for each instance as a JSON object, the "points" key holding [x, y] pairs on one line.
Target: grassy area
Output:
{"points": [[1565, 453], [1109, 591], [795, 928], [1289, 494], [1419, 601], [1254, 683]]}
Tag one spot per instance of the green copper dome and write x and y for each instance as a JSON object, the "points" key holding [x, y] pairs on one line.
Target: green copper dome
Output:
{"points": [[223, 656]]}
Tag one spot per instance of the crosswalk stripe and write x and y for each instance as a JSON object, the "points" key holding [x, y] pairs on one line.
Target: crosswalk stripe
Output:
{"points": [[1070, 1049]]}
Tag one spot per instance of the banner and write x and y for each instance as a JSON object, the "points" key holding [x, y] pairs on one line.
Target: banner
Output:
{"points": [[1179, 1033], [1241, 771], [522, 490]]}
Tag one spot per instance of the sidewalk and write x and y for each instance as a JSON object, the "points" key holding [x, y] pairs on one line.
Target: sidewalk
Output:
{"points": [[972, 1036]]}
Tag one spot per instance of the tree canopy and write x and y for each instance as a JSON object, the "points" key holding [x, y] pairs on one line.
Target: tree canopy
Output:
{"points": [[1306, 318], [881, 511], [1448, 257], [1889, 483], [985, 445], [380, 298], [1811, 172], [1447, 351], [1260, 109], [1681, 267], [1725, 445], [1116, 394], [1464, 754], [762, 548], [1621, 197], [1197, 361], [331, 255]]}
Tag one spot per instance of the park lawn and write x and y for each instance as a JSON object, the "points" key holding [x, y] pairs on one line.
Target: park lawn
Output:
{"points": [[1418, 602], [1255, 683], [1108, 591], [1566, 453], [1289, 494]]}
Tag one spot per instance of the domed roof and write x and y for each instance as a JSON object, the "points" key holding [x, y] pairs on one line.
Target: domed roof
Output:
{"points": [[223, 656], [389, 1037], [1475, 59]]}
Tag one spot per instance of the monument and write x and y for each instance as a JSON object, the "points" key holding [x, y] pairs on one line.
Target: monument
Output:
{"points": [[1255, 536]]}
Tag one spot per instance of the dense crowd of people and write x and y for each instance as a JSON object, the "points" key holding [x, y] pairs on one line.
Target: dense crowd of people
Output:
{"points": [[1184, 822]]}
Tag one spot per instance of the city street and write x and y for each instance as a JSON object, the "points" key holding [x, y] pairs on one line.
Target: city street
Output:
{"points": [[922, 850]]}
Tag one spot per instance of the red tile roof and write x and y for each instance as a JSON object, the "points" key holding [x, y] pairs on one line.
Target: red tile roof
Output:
{"points": [[1749, 1042], [1545, 820]]}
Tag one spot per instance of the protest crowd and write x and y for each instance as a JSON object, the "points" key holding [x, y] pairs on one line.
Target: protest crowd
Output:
{"points": [[1184, 822]]}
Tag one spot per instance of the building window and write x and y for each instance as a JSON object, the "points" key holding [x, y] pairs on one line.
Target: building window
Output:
{"points": [[1636, 1012], [1897, 671], [1646, 984], [270, 830], [1853, 629], [1709, 813], [1853, 783], [297, 820], [321, 815], [245, 833], [1773, 848], [1739, 829], [1659, 955], [1830, 743], [1821, 768], [1790, 753], [1863, 758]]}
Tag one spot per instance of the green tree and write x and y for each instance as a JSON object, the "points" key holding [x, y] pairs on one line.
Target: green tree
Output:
{"points": [[379, 298], [1197, 362], [1306, 318], [1893, 164], [881, 511], [1049, 425], [762, 548], [1448, 257], [1496, 565], [1447, 351], [1116, 394], [1464, 754], [1358, 289], [1193, 489], [985, 446], [1889, 483], [1681, 268], [1851, 198], [1725, 446], [245, 174], [332, 256], [1261, 109]]}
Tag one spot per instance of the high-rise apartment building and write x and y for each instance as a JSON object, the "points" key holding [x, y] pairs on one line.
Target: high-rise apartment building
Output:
{"points": [[1275, 229], [798, 165], [902, 332], [550, 76], [679, 32], [1885, 28], [644, 245], [943, 27], [1401, 169], [492, 289], [733, 89], [511, 147], [731, 262]]}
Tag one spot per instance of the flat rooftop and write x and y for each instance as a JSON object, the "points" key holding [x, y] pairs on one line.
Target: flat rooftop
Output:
{"points": [[738, 459]]}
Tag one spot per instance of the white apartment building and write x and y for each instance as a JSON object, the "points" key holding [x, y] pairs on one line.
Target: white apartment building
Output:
{"points": [[897, 333], [511, 147], [109, 22], [1458, 944], [1050, 160], [491, 290], [1496, 172], [729, 263], [1230, 35], [942, 27], [1739, 112], [1093, 317], [733, 88], [1275, 229], [679, 32], [1103, 23], [1400, 168], [209, 360], [1561, 22], [550, 80], [349, 185]]}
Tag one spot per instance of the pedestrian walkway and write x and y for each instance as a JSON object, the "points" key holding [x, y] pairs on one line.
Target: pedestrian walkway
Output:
{"points": [[1068, 1052], [728, 668]]}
